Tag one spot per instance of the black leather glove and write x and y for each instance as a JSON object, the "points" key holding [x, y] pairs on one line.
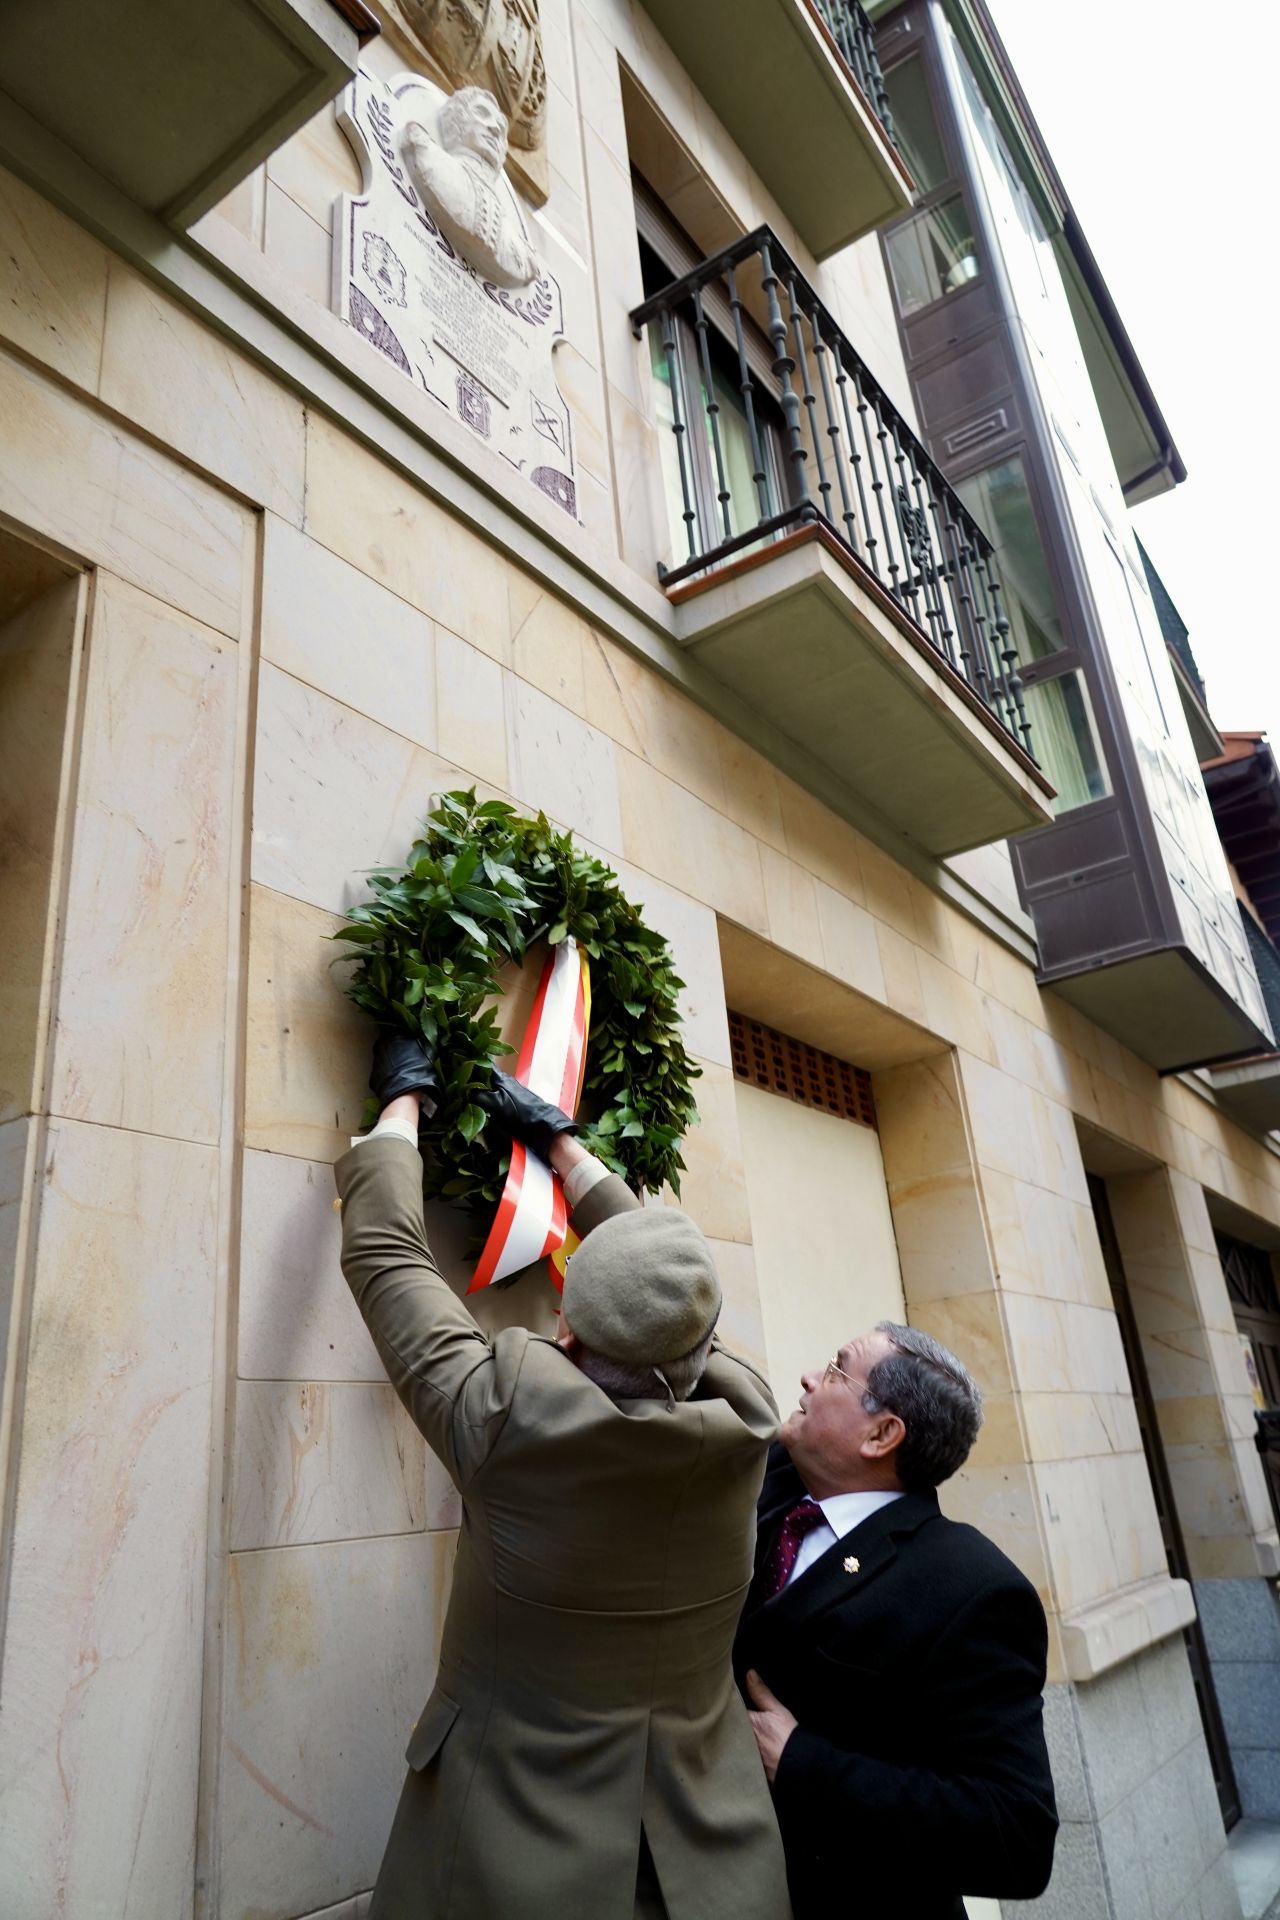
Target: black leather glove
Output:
{"points": [[401, 1064], [522, 1114]]}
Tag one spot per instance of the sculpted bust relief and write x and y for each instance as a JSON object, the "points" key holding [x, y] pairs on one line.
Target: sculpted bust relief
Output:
{"points": [[496, 43], [458, 173]]}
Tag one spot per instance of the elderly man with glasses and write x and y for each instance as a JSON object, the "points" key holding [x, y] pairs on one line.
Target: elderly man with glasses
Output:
{"points": [[894, 1658]]}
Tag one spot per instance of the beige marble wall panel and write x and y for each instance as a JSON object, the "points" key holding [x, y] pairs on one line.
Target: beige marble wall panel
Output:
{"points": [[471, 696], [1059, 1347], [330, 625], [1162, 1227], [331, 1651], [35, 676], [177, 379], [752, 790], [619, 282], [791, 904], [244, 207], [335, 794], [362, 509], [932, 1181], [563, 766], [741, 1325], [691, 930], [321, 1461], [101, 1690], [713, 1187], [972, 1325], [316, 165], [1045, 1243], [53, 285], [850, 948], [306, 1046], [549, 642], [821, 1230], [673, 834], [1072, 1426], [142, 1006], [665, 728], [15, 1144], [84, 481], [302, 248], [297, 1320]]}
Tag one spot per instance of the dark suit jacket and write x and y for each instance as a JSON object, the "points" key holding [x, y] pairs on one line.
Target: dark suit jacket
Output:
{"points": [[918, 1771]]}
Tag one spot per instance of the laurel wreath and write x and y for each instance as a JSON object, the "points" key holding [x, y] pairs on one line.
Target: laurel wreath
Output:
{"points": [[482, 886]]}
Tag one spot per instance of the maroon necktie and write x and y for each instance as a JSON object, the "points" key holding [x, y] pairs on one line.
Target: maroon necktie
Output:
{"points": [[801, 1520]]}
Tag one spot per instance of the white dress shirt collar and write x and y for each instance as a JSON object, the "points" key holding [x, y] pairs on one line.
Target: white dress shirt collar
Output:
{"points": [[842, 1513]]}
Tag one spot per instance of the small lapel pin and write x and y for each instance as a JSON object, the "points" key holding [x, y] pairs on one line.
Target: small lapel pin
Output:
{"points": [[851, 1565]]}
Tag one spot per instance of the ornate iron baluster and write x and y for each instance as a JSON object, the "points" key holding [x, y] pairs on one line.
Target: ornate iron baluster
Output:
{"points": [[783, 367], [821, 352], [748, 389], [669, 349], [897, 517], [868, 539], [810, 397], [1009, 656], [946, 602], [877, 482]]}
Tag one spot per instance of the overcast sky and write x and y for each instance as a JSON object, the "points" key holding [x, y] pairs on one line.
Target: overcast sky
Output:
{"points": [[1164, 128]]}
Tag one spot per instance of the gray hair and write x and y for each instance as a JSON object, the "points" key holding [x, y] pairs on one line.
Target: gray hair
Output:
{"points": [[936, 1398], [625, 1382]]}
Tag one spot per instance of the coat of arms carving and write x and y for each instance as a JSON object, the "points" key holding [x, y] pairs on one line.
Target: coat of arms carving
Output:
{"points": [[490, 43]]}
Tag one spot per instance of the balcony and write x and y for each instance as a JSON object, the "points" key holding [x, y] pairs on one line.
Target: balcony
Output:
{"points": [[824, 570], [174, 105], [798, 86]]}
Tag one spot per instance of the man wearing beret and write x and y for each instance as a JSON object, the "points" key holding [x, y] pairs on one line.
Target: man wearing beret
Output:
{"points": [[585, 1750]]}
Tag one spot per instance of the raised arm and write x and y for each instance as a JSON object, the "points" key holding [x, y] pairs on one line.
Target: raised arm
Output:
{"points": [[427, 1340]]}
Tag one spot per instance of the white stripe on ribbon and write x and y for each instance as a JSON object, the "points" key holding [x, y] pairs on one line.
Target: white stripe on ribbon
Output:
{"points": [[531, 1220]]}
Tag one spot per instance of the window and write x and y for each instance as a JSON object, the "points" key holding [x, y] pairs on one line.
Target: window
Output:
{"points": [[914, 126], [933, 255], [934, 252], [1066, 740], [1063, 731], [728, 493], [1000, 502]]}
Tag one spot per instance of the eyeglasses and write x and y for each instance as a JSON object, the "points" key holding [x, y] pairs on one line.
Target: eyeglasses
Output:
{"points": [[835, 1371]]}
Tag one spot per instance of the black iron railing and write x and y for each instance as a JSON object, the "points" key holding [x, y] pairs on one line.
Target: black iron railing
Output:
{"points": [[854, 35], [824, 443]]}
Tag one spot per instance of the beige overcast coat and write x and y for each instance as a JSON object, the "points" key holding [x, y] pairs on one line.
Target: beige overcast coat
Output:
{"points": [[584, 1689]]}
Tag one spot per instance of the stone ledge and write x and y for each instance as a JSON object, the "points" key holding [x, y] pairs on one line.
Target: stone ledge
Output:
{"points": [[1101, 1636]]}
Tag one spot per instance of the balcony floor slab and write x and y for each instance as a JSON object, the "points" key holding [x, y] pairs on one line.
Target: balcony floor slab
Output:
{"points": [[800, 632]]}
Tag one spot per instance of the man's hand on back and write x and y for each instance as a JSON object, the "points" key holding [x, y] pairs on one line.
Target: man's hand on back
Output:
{"points": [[772, 1724], [523, 1115]]}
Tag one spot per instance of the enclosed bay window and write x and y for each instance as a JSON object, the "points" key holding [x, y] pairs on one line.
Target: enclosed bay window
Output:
{"points": [[934, 253], [1055, 688]]}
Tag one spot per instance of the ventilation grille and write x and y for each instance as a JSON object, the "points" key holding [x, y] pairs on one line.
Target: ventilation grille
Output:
{"points": [[779, 1064]]}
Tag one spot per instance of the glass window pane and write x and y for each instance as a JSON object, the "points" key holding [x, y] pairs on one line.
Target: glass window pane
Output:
{"points": [[668, 449], [932, 255], [748, 503], [1000, 502], [914, 125], [1065, 740]]}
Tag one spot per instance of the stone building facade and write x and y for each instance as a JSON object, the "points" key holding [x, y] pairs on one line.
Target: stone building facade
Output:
{"points": [[265, 589]]}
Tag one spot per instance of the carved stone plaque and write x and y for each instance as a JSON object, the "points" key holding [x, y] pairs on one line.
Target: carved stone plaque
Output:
{"points": [[404, 280]]}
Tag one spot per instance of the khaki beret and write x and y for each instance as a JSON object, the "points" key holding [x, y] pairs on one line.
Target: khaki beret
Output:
{"points": [[642, 1289]]}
